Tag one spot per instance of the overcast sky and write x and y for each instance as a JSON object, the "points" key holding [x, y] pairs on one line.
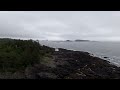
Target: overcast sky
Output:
{"points": [[61, 25]]}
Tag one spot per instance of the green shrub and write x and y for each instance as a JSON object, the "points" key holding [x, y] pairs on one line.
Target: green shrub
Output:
{"points": [[18, 54]]}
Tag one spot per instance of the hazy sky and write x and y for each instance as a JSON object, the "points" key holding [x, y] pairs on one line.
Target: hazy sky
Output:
{"points": [[61, 25]]}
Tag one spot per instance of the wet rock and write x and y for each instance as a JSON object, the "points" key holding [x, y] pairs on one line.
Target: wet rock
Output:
{"points": [[105, 57], [87, 66]]}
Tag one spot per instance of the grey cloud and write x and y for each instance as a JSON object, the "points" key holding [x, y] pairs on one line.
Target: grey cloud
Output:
{"points": [[57, 25]]}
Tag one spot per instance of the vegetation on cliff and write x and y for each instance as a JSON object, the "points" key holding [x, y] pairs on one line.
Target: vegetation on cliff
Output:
{"points": [[18, 54]]}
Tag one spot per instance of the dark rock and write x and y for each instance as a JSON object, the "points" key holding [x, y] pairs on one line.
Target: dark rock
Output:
{"points": [[105, 57], [46, 75]]}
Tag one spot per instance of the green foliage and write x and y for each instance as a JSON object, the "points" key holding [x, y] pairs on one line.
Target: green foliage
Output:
{"points": [[18, 54]]}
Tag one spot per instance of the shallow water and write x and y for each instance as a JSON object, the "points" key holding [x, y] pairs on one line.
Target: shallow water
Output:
{"points": [[100, 49]]}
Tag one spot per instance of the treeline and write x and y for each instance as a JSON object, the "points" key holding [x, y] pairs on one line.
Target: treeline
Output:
{"points": [[18, 54]]}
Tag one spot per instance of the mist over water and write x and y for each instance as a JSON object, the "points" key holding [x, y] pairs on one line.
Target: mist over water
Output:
{"points": [[99, 49]]}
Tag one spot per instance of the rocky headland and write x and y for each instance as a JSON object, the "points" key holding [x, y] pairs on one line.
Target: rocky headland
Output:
{"points": [[62, 64], [68, 64]]}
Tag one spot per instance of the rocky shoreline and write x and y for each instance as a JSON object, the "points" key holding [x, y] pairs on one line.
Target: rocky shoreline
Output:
{"points": [[68, 64]]}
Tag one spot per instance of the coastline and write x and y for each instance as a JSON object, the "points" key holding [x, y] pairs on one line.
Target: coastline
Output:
{"points": [[112, 59], [91, 64], [107, 58], [51, 64], [99, 49], [104, 57], [68, 64]]}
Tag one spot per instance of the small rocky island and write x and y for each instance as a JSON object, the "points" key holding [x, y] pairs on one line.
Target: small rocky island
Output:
{"points": [[78, 40], [68, 40], [27, 59]]}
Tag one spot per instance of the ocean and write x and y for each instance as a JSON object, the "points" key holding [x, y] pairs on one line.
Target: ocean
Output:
{"points": [[99, 49]]}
